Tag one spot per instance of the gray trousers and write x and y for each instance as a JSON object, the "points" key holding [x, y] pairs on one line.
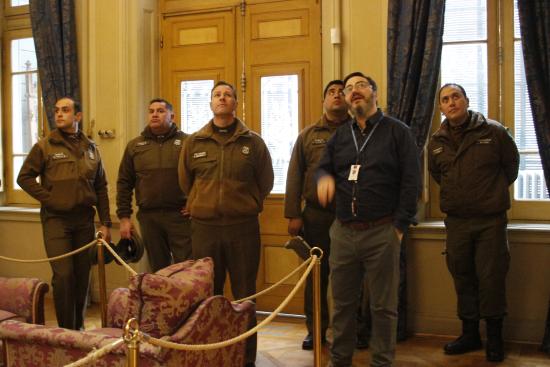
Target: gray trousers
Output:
{"points": [[235, 249], [64, 233], [166, 236], [478, 260], [371, 255]]}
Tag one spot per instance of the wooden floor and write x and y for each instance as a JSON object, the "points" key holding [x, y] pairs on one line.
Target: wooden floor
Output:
{"points": [[279, 344]]}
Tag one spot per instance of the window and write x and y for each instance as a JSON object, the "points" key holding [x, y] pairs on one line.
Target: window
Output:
{"points": [[482, 52], [22, 109], [195, 104]]}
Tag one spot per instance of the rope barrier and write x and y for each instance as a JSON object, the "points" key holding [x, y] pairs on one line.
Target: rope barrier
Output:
{"points": [[194, 347], [96, 354], [273, 286], [55, 258], [116, 256]]}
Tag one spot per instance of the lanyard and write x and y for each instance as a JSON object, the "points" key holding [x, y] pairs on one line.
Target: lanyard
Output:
{"points": [[366, 140]]}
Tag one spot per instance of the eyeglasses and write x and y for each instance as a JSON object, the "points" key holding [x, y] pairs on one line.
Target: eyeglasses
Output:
{"points": [[359, 85], [335, 92]]}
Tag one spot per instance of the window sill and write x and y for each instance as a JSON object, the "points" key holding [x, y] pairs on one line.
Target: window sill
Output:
{"points": [[19, 214]]}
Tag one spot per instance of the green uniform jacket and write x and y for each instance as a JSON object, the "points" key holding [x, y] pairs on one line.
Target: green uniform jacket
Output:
{"points": [[226, 183], [150, 165], [300, 179], [474, 179], [70, 176]]}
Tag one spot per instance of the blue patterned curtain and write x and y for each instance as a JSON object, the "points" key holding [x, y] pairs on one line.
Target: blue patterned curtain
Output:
{"points": [[54, 33], [415, 39], [534, 19]]}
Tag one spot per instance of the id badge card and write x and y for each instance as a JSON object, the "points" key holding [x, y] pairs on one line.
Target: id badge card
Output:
{"points": [[354, 172]]}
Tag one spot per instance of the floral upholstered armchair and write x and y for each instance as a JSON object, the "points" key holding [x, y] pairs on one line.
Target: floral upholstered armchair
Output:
{"points": [[22, 299], [174, 304]]}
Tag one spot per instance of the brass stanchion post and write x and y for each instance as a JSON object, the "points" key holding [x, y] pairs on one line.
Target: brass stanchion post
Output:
{"points": [[131, 338], [101, 275], [316, 251]]}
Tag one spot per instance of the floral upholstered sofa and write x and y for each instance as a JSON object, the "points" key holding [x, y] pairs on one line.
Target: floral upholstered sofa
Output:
{"points": [[22, 299], [175, 304]]}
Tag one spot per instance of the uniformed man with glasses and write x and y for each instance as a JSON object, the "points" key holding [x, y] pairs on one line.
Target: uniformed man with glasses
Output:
{"points": [[371, 168]]}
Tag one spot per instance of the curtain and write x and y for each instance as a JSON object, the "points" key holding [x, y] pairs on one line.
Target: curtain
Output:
{"points": [[54, 32], [415, 39], [534, 18]]}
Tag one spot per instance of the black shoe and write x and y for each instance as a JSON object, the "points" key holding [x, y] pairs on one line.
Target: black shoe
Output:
{"points": [[494, 351], [362, 342], [463, 344], [307, 344]]}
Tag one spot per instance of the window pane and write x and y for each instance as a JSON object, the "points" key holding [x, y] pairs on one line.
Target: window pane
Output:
{"points": [[19, 2], [17, 163], [23, 55], [467, 65], [195, 104], [530, 184], [517, 31], [24, 112], [279, 106], [465, 20]]}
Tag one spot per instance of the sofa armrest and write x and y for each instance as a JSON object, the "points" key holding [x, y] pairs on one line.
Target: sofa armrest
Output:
{"points": [[117, 308], [24, 297], [215, 320]]}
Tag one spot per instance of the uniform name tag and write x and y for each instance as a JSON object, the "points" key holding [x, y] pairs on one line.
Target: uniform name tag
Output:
{"points": [[437, 150], [199, 155], [485, 141], [354, 172], [177, 142], [319, 141], [142, 143], [59, 156]]}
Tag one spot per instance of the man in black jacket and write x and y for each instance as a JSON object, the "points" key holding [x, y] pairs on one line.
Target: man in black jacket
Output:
{"points": [[474, 160]]}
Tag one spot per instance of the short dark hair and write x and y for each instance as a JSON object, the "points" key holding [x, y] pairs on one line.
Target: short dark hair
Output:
{"points": [[358, 73], [330, 84], [76, 104], [451, 85], [223, 82], [162, 100]]}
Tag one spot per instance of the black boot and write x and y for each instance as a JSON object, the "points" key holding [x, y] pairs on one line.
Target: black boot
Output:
{"points": [[495, 345], [468, 341]]}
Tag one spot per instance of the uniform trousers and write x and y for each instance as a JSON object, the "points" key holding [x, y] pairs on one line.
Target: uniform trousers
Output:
{"points": [[317, 223], [166, 236], [63, 233], [478, 259], [235, 249], [370, 255]]}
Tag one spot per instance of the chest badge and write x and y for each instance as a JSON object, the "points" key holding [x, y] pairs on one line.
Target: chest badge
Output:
{"points": [[199, 155], [245, 150], [177, 142], [59, 155], [142, 143]]}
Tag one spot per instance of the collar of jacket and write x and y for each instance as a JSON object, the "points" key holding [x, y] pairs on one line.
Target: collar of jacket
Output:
{"points": [[324, 124], [374, 119], [56, 137], [207, 131], [476, 120], [148, 134]]}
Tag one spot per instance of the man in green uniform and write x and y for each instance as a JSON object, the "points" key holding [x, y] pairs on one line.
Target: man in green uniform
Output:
{"points": [[150, 166], [474, 160], [314, 221], [72, 182], [226, 171]]}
